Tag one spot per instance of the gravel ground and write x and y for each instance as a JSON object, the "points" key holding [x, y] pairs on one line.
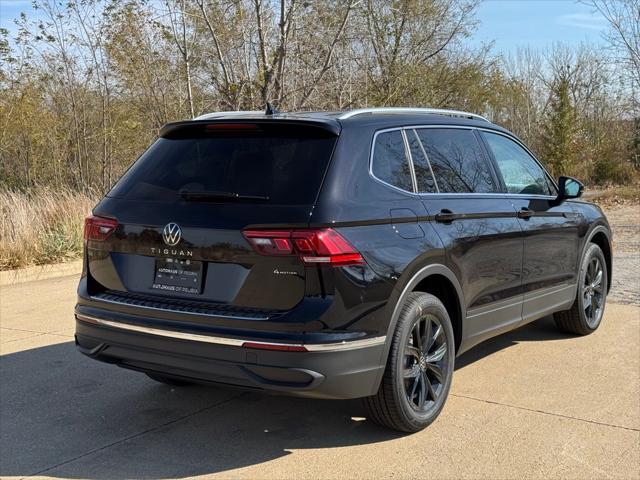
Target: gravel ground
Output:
{"points": [[625, 222]]}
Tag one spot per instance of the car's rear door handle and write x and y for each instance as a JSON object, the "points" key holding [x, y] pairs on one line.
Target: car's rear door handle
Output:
{"points": [[525, 213], [445, 216]]}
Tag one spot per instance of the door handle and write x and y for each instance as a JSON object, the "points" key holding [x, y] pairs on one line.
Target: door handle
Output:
{"points": [[445, 216], [525, 213]]}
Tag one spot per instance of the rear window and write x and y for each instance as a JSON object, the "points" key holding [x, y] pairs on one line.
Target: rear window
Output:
{"points": [[457, 160], [280, 164]]}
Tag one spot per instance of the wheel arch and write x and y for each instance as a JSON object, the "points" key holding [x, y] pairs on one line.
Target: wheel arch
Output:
{"points": [[434, 278], [601, 236], [445, 290]]}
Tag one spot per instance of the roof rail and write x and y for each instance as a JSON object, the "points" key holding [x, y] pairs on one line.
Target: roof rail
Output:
{"points": [[432, 111], [238, 113]]}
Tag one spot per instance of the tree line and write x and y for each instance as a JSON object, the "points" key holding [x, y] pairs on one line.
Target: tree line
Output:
{"points": [[85, 85]]}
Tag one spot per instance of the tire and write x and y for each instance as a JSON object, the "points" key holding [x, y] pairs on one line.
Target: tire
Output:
{"points": [[585, 315], [171, 381], [396, 406]]}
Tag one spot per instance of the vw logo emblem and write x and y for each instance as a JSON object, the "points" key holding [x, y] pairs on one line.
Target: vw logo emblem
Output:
{"points": [[171, 234]]}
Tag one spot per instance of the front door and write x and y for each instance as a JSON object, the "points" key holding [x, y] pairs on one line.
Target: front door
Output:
{"points": [[551, 242]]}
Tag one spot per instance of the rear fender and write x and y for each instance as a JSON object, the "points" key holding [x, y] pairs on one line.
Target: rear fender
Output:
{"points": [[402, 292]]}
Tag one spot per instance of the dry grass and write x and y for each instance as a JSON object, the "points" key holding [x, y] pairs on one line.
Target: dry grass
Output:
{"points": [[42, 226], [45, 225], [614, 194]]}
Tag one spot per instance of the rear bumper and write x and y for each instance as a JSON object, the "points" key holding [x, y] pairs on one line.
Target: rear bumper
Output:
{"points": [[339, 370]]}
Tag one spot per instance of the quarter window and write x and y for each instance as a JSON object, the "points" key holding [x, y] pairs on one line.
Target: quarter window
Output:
{"points": [[457, 161], [520, 172], [390, 163]]}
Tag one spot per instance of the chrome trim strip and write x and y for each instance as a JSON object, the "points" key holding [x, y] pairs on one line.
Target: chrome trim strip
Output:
{"points": [[526, 195], [235, 317], [412, 170], [545, 301], [521, 298], [235, 342], [465, 194], [345, 345], [163, 333], [426, 157], [543, 292], [494, 306], [427, 111]]}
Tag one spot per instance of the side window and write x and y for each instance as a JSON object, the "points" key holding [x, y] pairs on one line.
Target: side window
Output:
{"points": [[426, 184], [390, 163], [521, 173], [457, 160]]}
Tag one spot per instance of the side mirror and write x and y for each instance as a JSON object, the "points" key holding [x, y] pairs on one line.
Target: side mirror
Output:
{"points": [[569, 188]]}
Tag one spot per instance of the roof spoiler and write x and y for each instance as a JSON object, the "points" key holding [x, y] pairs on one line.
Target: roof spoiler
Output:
{"points": [[332, 126]]}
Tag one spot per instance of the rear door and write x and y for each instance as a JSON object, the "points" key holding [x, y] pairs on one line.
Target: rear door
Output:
{"points": [[182, 208], [476, 223], [550, 228]]}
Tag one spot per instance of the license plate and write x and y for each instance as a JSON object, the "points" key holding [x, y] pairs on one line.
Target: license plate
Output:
{"points": [[178, 276]]}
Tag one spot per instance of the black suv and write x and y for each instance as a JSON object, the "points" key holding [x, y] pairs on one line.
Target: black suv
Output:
{"points": [[334, 254]]}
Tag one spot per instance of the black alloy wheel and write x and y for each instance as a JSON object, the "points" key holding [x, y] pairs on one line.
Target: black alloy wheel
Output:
{"points": [[419, 369], [593, 292], [426, 355], [585, 315]]}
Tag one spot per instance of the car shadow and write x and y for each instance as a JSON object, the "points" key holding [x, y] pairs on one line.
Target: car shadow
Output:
{"points": [[541, 330], [64, 415], [91, 420]]}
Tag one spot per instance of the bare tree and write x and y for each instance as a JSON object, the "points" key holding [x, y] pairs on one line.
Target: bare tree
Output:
{"points": [[403, 35], [178, 21], [91, 35], [326, 63], [226, 90], [272, 59], [86, 87], [623, 17]]}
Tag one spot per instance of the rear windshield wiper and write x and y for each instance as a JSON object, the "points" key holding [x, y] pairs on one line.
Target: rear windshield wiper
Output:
{"points": [[204, 196]]}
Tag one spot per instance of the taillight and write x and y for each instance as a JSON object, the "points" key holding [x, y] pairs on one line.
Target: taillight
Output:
{"points": [[98, 228], [312, 246]]}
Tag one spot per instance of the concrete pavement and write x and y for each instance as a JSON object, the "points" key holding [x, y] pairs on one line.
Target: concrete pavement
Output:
{"points": [[533, 403], [41, 272]]}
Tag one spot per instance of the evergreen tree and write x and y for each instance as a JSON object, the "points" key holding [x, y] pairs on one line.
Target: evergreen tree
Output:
{"points": [[560, 130]]}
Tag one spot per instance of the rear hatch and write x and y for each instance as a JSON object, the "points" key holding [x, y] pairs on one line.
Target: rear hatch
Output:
{"points": [[174, 226]]}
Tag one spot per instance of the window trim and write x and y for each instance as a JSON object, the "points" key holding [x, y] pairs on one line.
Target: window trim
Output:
{"points": [[433, 177], [412, 168], [487, 151]]}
